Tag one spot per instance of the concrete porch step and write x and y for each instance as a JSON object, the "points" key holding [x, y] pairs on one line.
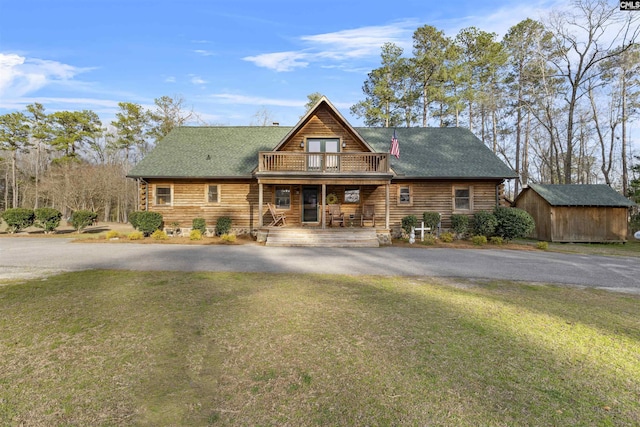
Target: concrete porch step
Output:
{"points": [[331, 237]]}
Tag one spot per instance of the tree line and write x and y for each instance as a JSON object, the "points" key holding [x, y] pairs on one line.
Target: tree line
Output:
{"points": [[69, 160], [554, 99]]}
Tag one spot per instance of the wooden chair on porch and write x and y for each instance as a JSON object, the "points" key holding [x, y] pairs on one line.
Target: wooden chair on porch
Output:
{"points": [[336, 216], [278, 218], [368, 214]]}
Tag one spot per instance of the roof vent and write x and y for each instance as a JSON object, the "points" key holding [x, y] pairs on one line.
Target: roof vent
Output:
{"points": [[275, 124], [208, 156]]}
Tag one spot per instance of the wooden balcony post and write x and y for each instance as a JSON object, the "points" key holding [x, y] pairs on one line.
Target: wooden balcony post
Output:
{"points": [[260, 201], [386, 206], [324, 201]]}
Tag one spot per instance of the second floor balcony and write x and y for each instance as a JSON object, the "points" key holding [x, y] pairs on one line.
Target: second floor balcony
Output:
{"points": [[324, 163]]}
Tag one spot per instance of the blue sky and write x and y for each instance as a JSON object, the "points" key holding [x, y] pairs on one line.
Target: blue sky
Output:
{"points": [[227, 59]]}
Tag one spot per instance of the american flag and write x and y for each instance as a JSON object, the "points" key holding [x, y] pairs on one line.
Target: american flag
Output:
{"points": [[395, 147]]}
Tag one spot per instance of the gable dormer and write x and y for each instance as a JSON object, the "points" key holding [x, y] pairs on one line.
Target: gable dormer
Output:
{"points": [[323, 144], [323, 126]]}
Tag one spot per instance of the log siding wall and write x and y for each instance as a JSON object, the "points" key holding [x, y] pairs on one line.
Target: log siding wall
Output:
{"points": [[239, 200]]}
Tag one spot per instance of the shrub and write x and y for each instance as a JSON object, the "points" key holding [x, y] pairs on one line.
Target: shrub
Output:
{"points": [[408, 222], [228, 238], [496, 240], [223, 225], [148, 222], [460, 224], [200, 225], [542, 246], [429, 240], [431, 219], [111, 234], [18, 219], [634, 222], [133, 218], [195, 235], [48, 219], [136, 235], [513, 223], [159, 235], [81, 219], [446, 237], [484, 223], [479, 240]]}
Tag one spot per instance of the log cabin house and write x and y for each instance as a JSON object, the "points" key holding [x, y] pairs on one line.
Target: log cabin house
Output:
{"points": [[209, 172], [576, 213]]}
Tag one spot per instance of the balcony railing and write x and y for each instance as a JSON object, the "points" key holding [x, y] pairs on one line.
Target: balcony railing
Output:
{"points": [[346, 163]]}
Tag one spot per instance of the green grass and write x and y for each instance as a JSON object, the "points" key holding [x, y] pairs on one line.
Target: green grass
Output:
{"points": [[151, 349]]}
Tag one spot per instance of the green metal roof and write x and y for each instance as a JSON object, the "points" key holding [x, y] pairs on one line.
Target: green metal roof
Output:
{"points": [[438, 153], [581, 195], [206, 152]]}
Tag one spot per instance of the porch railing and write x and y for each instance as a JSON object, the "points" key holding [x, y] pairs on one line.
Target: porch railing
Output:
{"points": [[283, 161]]}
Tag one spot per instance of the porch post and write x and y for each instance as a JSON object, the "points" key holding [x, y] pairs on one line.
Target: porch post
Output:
{"points": [[386, 206], [324, 200], [260, 201]]}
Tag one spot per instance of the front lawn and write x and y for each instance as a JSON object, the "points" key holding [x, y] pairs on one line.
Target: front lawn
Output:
{"points": [[164, 348]]}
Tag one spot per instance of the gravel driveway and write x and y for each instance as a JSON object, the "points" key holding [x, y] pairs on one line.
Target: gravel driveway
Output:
{"points": [[33, 257]]}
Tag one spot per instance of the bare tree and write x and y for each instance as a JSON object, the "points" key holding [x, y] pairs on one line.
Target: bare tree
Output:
{"points": [[262, 117], [170, 112], [583, 40], [14, 137]]}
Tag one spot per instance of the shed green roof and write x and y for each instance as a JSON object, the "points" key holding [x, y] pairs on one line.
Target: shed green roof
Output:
{"points": [[581, 195], [207, 152]]}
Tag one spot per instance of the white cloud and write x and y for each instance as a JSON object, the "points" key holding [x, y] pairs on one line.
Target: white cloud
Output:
{"points": [[338, 46], [365, 41], [20, 75], [170, 79], [280, 61], [197, 80], [106, 107], [203, 52], [500, 20]]}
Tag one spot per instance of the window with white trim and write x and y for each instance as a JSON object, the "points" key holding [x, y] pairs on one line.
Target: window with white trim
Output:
{"points": [[462, 198], [405, 196], [163, 195], [213, 193], [283, 197]]}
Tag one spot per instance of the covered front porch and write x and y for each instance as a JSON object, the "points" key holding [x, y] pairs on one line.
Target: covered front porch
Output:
{"points": [[308, 204], [310, 190]]}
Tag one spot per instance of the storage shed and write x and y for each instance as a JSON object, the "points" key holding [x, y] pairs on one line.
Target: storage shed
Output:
{"points": [[577, 213]]}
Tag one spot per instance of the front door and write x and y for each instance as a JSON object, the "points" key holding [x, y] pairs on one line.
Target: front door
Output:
{"points": [[310, 204]]}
